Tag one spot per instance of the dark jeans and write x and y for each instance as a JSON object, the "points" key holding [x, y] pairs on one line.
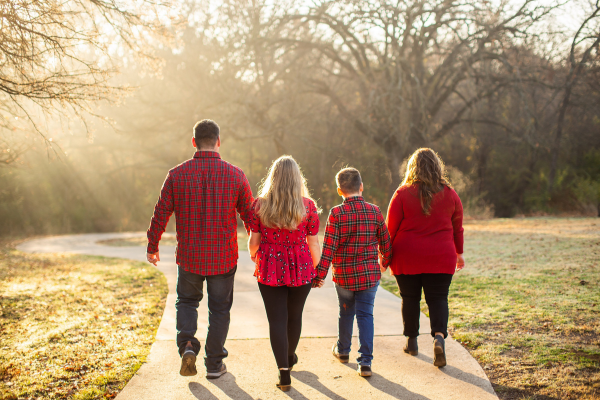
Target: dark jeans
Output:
{"points": [[220, 298], [436, 288], [284, 307], [359, 303]]}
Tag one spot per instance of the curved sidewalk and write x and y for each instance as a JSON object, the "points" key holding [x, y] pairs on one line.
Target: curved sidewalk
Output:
{"points": [[251, 366]]}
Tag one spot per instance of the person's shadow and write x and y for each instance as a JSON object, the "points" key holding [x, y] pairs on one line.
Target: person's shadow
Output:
{"points": [[376, 381], [226, 383], [461, 375], [200, 392]]}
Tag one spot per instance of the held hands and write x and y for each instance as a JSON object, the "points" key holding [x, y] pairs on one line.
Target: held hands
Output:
{"points": [[381, 267], [317, 283], [153, 258], [460, 262]]}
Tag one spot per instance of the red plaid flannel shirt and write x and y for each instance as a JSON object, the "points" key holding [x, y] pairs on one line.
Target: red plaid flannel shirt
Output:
{"points": [[354, 230], [204, 192]]}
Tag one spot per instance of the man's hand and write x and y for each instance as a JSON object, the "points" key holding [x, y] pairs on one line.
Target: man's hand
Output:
{"points": [[317, 283], [460, 262], [153, 258]]}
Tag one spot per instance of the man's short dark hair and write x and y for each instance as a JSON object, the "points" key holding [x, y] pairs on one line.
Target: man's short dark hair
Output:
{"points": [[206, 133], [349, 180]]}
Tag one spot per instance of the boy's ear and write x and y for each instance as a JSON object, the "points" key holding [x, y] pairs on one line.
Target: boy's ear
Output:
{"points": [[361, 187], [340, 192]]}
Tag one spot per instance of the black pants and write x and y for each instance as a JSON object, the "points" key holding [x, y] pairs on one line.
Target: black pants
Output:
{"points": [[436, 288], [284, 307]]}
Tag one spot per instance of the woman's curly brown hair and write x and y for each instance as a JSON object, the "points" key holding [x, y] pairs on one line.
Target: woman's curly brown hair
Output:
{"points": [[427, 169]]}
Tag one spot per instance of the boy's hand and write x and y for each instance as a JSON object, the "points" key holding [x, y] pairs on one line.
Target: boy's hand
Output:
{"points": [[317, 283], [153, 258], [460, 262]]}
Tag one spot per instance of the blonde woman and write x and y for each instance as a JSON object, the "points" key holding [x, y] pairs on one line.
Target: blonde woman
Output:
{"points": [[284, 245], [425, 224]]}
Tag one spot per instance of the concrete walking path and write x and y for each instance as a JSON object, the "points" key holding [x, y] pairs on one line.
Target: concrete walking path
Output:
{"points": [[252, 372]]}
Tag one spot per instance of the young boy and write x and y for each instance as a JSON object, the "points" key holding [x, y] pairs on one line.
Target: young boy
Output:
{"points": [[354, 230]]}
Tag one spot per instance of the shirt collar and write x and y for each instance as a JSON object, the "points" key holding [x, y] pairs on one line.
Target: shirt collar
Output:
{"points": [[354, 199], [207, 154]]}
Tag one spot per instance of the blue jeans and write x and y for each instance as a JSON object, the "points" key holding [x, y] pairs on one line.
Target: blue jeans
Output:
{"points": [[360, 303], [220, 298]]}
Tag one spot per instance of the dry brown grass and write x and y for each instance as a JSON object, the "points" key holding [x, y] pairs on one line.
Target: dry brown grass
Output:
{"points": [[74, 327], [528, 305]]}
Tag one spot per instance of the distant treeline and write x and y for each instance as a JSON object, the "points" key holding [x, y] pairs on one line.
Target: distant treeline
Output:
{"points": [[512, 108]]}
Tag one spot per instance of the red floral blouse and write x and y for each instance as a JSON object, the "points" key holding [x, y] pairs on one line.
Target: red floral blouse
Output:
{"points": [[283, 257]]}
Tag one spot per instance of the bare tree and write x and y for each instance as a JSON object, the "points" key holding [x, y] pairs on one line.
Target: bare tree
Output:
{"points": [[403, 72], [60, 56], [585, 42]]}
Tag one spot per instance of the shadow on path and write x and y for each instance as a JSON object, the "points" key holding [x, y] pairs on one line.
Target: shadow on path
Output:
{"points": [[312, 380], [377, 381], [459, 374], [227, 383], [200, 392]]}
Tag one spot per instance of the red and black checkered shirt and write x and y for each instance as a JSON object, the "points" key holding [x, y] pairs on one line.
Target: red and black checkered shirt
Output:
{"points": [[204, 193], [354, 230]]}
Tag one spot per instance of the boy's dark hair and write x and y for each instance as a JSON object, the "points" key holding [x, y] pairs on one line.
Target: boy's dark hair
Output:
{"points": [[206, 133], [349, 180]]}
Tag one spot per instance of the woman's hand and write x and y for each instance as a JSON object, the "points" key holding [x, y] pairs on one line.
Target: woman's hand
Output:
{"points": [[253, 245], [460, 262], [317, 283]]}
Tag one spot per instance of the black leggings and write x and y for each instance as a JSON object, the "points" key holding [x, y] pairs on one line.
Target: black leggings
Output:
{"points": [[436, 287], [284, 307]]}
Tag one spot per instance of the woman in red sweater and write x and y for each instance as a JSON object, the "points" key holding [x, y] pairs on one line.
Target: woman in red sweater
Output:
{"points": [[425, 223]]}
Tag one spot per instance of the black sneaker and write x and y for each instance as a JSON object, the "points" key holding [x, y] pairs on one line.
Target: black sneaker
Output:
{"points": [[439, 351], [364, 370], [217, 374], [411, 347], [293, 360], [285, 380], [188, 362], [344, 358]]}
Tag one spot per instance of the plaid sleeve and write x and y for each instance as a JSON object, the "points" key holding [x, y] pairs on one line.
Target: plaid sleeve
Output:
{"points": [[244, 205], [383, 237], [162, 212], [330, 245]]}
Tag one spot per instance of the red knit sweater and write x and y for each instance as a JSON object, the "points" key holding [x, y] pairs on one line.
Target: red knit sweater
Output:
{"points": [[425, 244]]}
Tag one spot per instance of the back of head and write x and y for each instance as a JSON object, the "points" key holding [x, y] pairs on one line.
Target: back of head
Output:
{"points": [[206, 133], [280, 196], [349, 180], [427, 169]]}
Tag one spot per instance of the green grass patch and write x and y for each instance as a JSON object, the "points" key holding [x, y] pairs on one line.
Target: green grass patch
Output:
{"points": [[527, 305], [74, 327]]}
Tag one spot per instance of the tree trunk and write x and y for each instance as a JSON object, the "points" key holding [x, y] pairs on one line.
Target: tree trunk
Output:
{"points": [[394, 161], [557, 139]]}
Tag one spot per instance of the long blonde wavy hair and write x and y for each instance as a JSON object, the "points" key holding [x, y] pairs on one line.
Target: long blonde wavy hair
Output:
{"points": [[280, 195], [426, 168]]}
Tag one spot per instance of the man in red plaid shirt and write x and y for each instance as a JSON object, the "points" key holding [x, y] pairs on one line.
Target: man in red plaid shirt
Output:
{"points": [[353, 233], [204, 193]]}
